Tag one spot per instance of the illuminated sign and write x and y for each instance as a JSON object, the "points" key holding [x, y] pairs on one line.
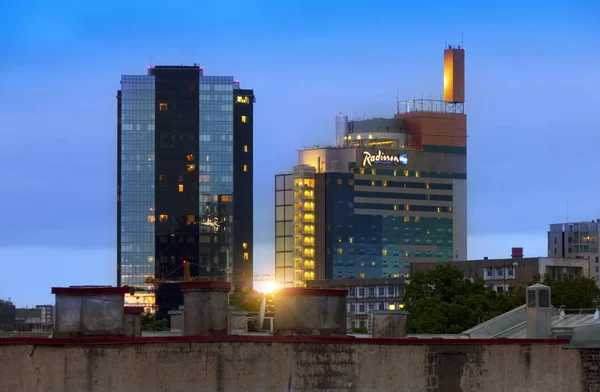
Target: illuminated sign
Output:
{"points": [[384, 159]]}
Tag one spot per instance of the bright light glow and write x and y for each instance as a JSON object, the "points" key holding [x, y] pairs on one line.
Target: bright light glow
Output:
{"points": [[270, 287]]}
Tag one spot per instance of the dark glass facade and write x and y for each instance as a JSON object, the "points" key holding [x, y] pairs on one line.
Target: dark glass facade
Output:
{"points": [[185, 143], [365, 239]]}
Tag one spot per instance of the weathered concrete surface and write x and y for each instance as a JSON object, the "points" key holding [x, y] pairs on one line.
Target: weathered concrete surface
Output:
{"points": [[176, 320], [132, 324], [205, 308], [389, 323], [89, 315], [310, 311], [238, 322], [276, 365]]}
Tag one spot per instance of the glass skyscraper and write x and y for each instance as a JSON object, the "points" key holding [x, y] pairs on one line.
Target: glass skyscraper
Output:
{"points": [[184, 178]]}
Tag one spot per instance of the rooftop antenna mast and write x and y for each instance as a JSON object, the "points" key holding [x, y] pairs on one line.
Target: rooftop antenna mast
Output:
{"points": [[462, 40]]}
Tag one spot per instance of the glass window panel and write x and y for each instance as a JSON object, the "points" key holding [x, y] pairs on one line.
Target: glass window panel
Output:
{"points": [[289, 197], [289, 181], [279, 198], [279, 259], [279, 274], [289, 243], [279, 244], [289, 259], [289, 228], [289, 274], [279, 214], [279, 182], [279, 229], [289, 212]]}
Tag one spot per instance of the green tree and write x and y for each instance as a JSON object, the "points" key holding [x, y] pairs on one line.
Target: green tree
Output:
{"points": [[444, 301], [150, 323], [572, 293], [250, 301]]}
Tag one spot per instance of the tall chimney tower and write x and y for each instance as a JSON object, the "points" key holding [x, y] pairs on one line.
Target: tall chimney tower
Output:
{"points": [[454, 75]]}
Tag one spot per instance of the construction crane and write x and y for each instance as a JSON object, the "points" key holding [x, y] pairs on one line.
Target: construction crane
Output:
{"points": [[187, 276]]}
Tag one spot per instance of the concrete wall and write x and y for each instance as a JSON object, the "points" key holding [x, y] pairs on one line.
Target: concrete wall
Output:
{"points": [[80, 315], [296, 364]]}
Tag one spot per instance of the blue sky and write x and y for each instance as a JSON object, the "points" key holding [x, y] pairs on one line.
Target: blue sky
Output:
{"points": [[532, 104]]}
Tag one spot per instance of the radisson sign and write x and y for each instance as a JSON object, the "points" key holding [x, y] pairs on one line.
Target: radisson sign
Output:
{"points": [[384, 159]]}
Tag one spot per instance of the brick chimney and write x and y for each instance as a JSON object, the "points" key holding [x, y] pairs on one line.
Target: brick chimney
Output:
{"points": [[517, 253]]}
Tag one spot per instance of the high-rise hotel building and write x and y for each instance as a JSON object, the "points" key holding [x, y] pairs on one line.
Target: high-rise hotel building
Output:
{"points": [[184, 182], [391, 192]]}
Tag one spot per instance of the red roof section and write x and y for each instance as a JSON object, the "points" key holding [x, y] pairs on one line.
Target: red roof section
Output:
{"points": [[92, 290]]}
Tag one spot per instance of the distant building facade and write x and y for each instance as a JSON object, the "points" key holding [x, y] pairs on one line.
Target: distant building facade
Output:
{"points": [[576, 240], [365, 296], [391, 192], [46, 313], [505, 274]]}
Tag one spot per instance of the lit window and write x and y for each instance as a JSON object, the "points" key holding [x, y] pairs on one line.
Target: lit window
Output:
{"points": [[339, 181], [244, 245], [163, 106], [417, 219], [244, 119], [439, 209], [191, 167], [245, 255], [405, 173], [391, 307], [190, 157], [225, 198], [245, 168], [351, 182], [407, 207], [373, 264], [384, 183], [370, 136], [362, 275], [384, 252], [245, 148], [401, 306], [417, 174], [362, 170], [162, 177], [395, 275], [339, 251], [406, 219], [394, 173], [395, 207], [372, 183], [427, 186], [207, 158], [180, 187], [191, 218], [351, 240], [358, 137], [449, 209], [163, 218], [242, 100], [151, 218]]}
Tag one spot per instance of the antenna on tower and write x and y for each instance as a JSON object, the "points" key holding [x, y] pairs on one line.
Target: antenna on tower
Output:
{"points": [[462, 40]]}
